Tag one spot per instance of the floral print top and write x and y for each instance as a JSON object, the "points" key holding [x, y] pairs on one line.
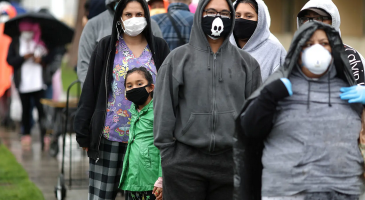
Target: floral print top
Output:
{"points": [[117, 121]]}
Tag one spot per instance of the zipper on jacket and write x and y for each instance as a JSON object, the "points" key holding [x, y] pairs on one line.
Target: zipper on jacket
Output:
{"points": [[212, 140], [106, 98]]}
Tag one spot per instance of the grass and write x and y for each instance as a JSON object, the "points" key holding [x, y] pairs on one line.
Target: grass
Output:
{"points": [[68, 76], [14, 181]]}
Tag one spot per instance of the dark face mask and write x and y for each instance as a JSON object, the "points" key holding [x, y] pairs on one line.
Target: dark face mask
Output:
{"points": [[243, 28], [216, 27], [138, 95]]}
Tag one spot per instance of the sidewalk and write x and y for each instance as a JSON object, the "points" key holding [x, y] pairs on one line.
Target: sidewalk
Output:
{"points": [[43, 169]]}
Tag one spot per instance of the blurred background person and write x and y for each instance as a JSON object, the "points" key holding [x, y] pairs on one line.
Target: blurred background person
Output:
{"points": [[27, 56], [177, 23], [6, 71], [96, 29], [252, 34], [156, 7]]}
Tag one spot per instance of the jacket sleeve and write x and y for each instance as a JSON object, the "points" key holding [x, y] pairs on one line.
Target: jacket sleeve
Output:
{"points": [[257, 119], [87, 103], [14, 59], [86, 47], [163, 51], [165, 106]]}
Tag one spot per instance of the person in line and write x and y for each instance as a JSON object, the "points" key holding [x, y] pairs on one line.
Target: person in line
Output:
{"points": [[326, 11], [142, 161], [199, 91], [176, 24], [252, 34], [310, 134], [96, 29], [102, 119], [28, 57], [156, 7]]}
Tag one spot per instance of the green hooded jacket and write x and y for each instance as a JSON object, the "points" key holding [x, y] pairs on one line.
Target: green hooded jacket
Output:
{"points": [[142, 161]]}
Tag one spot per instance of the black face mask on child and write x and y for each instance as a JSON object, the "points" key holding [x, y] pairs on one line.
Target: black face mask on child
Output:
{"points": [[138, 96]]}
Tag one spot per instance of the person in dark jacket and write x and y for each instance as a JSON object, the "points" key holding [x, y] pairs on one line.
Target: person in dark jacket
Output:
{"points": [[102, 120], [28, 55], [310, 134], [199, 91]]}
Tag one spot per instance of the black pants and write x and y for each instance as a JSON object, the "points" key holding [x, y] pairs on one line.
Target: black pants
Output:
{"points": [[26, 99], [190, 174]]}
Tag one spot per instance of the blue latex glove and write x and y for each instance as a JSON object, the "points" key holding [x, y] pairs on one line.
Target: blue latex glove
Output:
{"points": [[287, 84], [355, 94]]}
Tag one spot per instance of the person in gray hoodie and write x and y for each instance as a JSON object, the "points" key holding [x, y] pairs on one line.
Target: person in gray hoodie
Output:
{"points": [[200, 89], [96, 29], [310, 134], [327, 12], [252, 34]]}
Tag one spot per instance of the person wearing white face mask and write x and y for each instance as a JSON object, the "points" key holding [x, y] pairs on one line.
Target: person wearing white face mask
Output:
{"points": [[103, 103], [309, 135]]}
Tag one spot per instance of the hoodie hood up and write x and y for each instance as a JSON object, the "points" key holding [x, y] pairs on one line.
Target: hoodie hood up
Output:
{"points": [[109, 4], [198, 39], [263, 45], [262, 32], [301, 36], [329, 7]]}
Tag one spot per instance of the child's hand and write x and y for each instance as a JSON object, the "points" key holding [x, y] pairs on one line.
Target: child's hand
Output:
{"points": [[157, 192]]}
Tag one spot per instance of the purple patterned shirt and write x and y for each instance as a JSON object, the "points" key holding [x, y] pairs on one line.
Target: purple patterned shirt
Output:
{"points": [[117, 121]]}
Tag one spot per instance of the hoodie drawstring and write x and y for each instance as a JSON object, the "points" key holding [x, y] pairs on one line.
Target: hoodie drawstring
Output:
{"points": [[329, 90], [209, 59], [309, 93]]}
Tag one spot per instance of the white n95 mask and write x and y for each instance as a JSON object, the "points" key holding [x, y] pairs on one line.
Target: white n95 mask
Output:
{"points": [[316, 59], [134, 26]]}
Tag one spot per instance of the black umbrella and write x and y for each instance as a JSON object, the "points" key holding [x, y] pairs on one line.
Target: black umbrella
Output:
{"points": [[54, 32]]}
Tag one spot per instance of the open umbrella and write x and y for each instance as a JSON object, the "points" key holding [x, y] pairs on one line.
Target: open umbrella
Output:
{"points": [[54, 32]]}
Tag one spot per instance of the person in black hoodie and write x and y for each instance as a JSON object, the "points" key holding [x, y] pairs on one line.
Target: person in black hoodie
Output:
{"points": [[102, 120]]}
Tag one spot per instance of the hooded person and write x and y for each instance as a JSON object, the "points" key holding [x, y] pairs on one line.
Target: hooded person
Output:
{"points": [[102, 119], [310, 134], [199, 90], [96, 29], [327, 12], [252, 34]]}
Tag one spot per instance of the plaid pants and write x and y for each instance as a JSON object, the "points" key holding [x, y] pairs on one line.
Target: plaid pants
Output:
{"points": [[104, 176]]}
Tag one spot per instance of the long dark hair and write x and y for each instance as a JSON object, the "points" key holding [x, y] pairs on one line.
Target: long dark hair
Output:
{"points": [[141, 70], [252, 3]]}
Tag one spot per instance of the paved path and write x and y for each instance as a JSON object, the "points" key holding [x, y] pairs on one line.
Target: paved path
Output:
{"points": [[43, 169]]}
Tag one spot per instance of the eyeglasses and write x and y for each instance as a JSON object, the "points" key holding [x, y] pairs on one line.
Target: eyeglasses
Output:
{"points": [[213, 13], [302, 20]]}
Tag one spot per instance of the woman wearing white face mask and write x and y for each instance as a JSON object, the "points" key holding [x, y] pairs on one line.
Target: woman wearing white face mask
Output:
{"points": [[310, 134], [102, 121]]}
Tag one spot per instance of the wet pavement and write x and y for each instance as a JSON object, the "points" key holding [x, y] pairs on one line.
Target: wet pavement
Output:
{"points": [[44, 169]]}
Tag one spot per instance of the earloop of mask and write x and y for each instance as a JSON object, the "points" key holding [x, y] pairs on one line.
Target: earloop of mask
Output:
{"points": [[116, 25]]}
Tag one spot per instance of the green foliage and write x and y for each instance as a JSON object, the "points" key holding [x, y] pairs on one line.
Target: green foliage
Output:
{"points": [[14, 181], [68, 76]]}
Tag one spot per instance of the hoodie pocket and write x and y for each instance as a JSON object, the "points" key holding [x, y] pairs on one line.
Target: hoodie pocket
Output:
{"points": [[225, 128], [197, 123]]}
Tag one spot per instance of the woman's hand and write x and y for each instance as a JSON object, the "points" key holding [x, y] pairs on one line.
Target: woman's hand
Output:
{"points": [[38, 60], [85, 148], [157, 192], [27, 56]]}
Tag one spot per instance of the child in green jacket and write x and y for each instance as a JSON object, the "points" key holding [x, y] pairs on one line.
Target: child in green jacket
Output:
{"points": [[142, 161]]}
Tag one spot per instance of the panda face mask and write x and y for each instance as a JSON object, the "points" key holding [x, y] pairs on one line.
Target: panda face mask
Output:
{"points": [[216, 27]]}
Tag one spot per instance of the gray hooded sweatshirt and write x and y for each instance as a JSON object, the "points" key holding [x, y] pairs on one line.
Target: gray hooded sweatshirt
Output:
{"points": [[263, 45], [96, 29], [199, 93], [331, 8]]}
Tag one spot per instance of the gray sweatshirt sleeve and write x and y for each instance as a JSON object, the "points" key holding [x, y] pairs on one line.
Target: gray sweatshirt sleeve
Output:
{"points": [[156, 29], [86, 47], [165, 106]]}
